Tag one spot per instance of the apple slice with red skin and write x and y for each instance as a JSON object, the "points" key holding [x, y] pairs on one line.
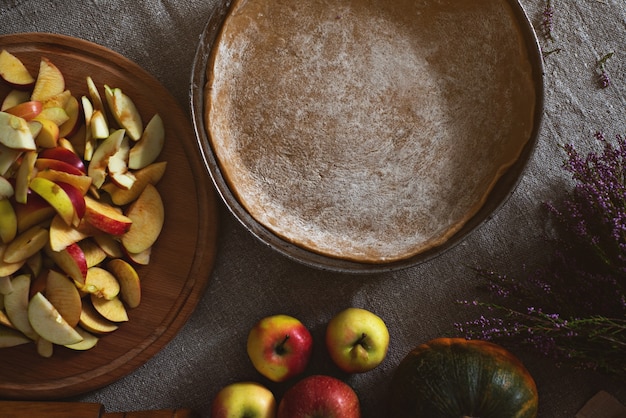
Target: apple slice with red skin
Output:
{"points": [[50, 163], [94, 254], [62, 234], [147, 214], [14, 72], [65, 155], [49, 82], [319, 396], [58, 198], [13, 98], [27, 110], [78, 201], [81, 182], [106, 218], [34, 211], [71, 260]]}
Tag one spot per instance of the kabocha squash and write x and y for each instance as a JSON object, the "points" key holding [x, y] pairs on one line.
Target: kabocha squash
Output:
{"points": [[458, 378]]}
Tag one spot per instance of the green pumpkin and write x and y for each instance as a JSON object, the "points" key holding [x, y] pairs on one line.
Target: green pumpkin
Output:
{"points": [[455, 378]]}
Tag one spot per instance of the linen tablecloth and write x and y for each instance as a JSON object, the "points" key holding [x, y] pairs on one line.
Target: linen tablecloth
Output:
{"points": [[251, 281]]}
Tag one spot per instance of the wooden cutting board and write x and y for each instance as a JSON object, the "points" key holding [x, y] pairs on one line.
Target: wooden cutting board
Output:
{"points": [[21, 409]]}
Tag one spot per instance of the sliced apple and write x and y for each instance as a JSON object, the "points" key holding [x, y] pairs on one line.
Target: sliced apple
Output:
{"points": [[66, 155], [8, 157], [13, 98], [54, 164], [150, 174], [98, 125], [94, 322], [49, 82], [142, 258], [58, 115], [147, 215], [56, 196], [90, 141], [34, 263], [6, 269], [100, 159], [71, 260], [26, 244], [70, 127], [14, 72], [149, 146], [62, 234], [111, 309], [6, 285], [80, 182], [14, 132], [36, 210], [95, 97], [24, 176], [109, 245], [64, 296], [118, 167], [124, 111], [10, 337], [89, 341], [94, 254], [101, 283], [130, 286], [47, 322], [16, 306], [4, 319], [44, 347], [8, 226], [78, 201], [106, 218], [58, 100], [27, 110], [48, 136]]}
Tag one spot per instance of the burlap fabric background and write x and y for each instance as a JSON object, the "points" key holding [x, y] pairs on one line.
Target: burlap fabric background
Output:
{"points": [[251, 281]]}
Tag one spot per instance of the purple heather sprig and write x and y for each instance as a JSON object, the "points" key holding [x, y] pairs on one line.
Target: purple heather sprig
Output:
{"points": [[573, 308], [547, 23]]}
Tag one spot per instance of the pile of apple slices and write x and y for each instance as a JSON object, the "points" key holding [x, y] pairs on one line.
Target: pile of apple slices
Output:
{"points": [[78, 207]]}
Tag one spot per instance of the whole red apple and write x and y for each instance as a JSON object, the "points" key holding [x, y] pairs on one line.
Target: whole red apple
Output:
{"points": [[279, 347], [319, 396]]}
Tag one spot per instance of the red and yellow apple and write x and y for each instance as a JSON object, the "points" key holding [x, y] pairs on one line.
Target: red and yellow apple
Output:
{"points": [[244, 400], [319, 396], [279, 347]]}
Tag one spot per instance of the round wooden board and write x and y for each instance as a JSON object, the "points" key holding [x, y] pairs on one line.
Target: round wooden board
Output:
{"points": [[182, 259]]}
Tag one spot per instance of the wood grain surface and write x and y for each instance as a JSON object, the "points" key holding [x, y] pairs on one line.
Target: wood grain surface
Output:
{"points": [[182, 259]]}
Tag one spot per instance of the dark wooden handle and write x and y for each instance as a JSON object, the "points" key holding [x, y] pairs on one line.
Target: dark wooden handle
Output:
{"points": [[23, 409]]}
